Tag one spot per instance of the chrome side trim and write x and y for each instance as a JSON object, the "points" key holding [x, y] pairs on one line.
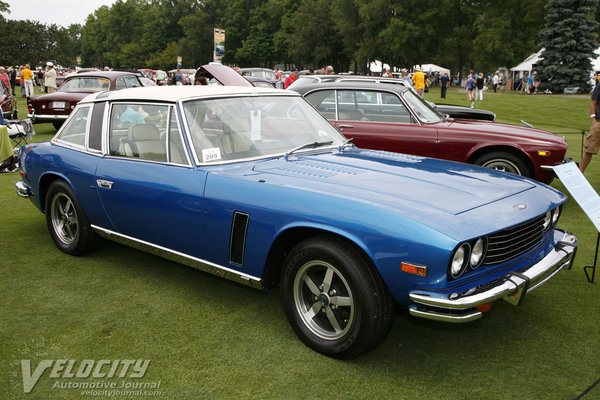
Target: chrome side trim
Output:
{"points": [[181, 258]]}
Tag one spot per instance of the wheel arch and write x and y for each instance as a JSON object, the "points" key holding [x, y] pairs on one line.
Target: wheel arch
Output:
{"points": [[44, 183], [287, 239], [517, 152]]}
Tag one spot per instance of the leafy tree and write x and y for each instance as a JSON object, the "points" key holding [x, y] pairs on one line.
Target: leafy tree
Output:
{"points": [[569, 40]]}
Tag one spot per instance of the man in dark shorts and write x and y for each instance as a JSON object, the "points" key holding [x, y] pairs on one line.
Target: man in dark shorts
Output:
{"points": [[592, 141]]}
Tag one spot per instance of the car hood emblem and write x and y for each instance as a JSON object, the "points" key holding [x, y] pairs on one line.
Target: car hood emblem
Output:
{"points": [[521, 206]]}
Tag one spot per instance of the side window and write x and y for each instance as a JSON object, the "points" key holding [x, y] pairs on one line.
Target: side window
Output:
{"points": [[127, 81], [120, 84], [324, 102], [177, 153], [391, 110], [356, 105], [138, 131], [74, 130]]}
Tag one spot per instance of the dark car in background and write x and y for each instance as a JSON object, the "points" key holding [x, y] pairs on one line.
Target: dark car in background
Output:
{"points": [[395, 118], [458, 112], [264, 73], [56, 107]]}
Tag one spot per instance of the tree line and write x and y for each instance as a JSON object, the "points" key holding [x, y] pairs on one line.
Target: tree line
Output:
{"points": [[348, 34]]}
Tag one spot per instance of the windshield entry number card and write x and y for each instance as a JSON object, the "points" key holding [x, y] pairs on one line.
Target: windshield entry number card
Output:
{"points": [[212, 154]]}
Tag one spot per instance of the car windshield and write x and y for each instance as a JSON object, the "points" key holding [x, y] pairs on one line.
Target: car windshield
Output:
{"points": [[246, 127], [85, 84], [425, 112]]}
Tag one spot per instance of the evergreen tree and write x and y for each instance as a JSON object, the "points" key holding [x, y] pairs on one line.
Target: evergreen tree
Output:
{"points": [[569, 41]]}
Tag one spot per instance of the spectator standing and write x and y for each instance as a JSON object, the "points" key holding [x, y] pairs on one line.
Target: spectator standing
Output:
{"points": [[12, 78], [386, 73], [329, 70], [592, 141], [444, 80], [479, 87], [178, 78], [418, 79], [524, 81], [21, 81], [469, 86], [495, 80], [500, 82], [277, 74], [4, 78], [291, 78], [530, 87], [50, 78], [27, 81]]}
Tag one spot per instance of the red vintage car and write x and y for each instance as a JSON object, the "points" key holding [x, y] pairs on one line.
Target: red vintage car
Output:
{"points": [[56, 107], [395, 118]]}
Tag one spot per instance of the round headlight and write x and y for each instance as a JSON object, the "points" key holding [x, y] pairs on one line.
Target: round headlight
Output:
{"points": [[555, 215], [547, 219], [478, 252], [459, 261]]}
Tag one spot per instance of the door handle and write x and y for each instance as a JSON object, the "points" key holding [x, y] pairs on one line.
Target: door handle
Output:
{"points": [[104, 184], [346, 126]]}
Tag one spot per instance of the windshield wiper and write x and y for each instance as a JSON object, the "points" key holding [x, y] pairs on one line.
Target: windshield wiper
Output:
{"points": [[306, 146]]}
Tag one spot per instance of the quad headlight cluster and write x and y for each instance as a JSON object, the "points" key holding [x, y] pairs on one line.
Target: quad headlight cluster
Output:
{"points": [[551, 218], [468, 255]]}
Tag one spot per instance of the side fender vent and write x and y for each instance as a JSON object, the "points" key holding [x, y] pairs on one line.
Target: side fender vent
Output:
{"points": [[237, 245]]}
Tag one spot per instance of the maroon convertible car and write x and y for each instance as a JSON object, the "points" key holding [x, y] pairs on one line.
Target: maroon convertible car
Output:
{"points": [[56, 107], [394, 118]]}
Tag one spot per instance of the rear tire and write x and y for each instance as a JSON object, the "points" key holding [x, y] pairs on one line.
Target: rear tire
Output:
{"points": [[504, 161], [68, 225], [57, 124], [334, 299]]}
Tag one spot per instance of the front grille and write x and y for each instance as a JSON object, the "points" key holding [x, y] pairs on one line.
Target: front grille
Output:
{"points": [[511, 242]]}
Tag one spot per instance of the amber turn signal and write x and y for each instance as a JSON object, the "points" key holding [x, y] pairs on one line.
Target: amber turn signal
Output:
{"points": [[414, 269]]}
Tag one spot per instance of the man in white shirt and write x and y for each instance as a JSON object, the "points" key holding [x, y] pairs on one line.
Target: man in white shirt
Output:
{"points": [[50, 78]]}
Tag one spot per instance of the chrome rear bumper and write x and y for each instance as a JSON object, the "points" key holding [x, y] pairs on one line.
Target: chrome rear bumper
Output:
{"points": [[22, 189], [460, 307]]}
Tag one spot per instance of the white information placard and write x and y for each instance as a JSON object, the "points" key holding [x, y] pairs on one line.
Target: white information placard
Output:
{"points": [[581, 190]]}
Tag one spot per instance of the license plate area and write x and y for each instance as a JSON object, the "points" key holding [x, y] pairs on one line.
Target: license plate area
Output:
{"points": [[59, 105]]}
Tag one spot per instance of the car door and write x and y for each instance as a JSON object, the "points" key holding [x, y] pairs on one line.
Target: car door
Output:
{"points": [[376, 120], [146, 182]]}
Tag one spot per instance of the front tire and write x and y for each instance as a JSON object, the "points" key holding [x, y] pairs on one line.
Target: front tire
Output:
{"points": [[67, 223], [334, 299], [504, 161]]}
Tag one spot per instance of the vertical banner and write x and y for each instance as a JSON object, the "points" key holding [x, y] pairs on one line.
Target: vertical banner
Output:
{"points": [[219, 47]]}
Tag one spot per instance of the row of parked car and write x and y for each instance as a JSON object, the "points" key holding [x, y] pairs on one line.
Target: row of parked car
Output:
{"points": [[260, 186], [378, 113]]}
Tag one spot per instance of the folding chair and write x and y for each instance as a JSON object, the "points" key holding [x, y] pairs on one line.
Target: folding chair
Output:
{"points": [[19, 132]]}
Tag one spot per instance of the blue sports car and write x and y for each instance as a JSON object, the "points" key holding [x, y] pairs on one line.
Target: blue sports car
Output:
{"points": [[255, 185]]}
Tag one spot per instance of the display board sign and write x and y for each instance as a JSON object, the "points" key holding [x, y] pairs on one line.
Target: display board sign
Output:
{"points": [[581, 190]]}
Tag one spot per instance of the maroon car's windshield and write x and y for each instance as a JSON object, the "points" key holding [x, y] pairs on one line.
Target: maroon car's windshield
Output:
{"points": [[425, 112], [85, 84]]}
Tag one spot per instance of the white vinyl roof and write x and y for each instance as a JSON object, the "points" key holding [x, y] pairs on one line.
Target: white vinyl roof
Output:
{"points": [[176, 93]]}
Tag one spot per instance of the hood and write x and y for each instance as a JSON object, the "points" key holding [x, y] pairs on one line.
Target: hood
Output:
{"points": [[405, 183], [225, 75], [514, 131]]}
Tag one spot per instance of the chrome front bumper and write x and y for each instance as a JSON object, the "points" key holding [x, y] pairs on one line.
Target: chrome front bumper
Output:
{"points": [[461, 307]]}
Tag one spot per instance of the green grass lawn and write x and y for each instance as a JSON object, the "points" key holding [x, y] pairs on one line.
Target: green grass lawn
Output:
{"points": [[210, 338]]}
